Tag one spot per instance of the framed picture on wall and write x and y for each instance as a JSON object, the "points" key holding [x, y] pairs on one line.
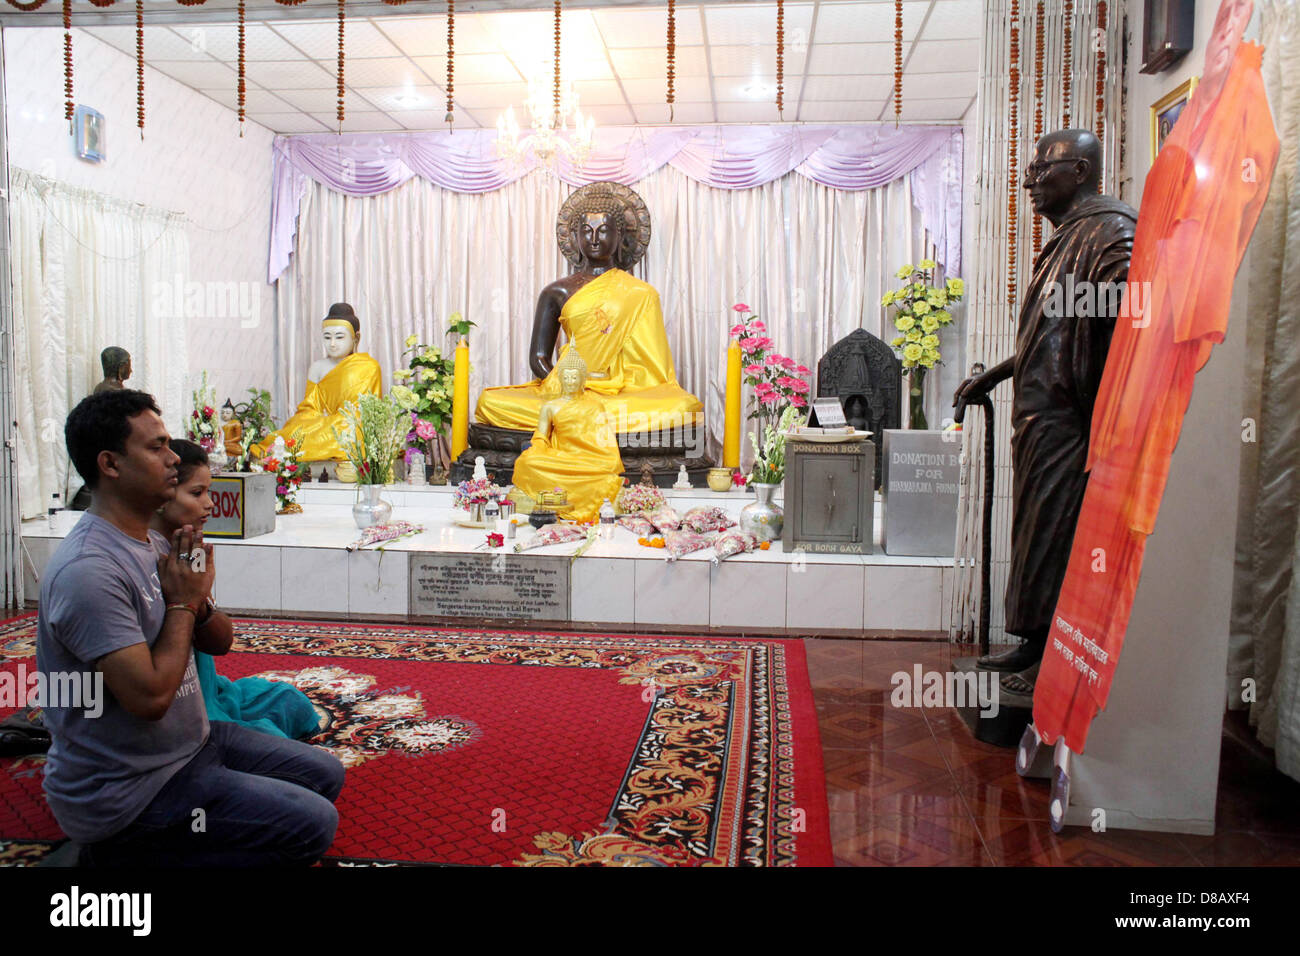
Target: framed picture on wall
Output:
{"points": [[1165, 112], [88, 134]]}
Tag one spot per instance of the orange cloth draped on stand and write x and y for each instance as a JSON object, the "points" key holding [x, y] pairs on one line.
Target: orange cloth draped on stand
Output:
{"points": [[1202, 198]]}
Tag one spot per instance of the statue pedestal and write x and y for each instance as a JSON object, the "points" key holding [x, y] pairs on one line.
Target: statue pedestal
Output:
{"points": [[666, 453], [1014, 711]]}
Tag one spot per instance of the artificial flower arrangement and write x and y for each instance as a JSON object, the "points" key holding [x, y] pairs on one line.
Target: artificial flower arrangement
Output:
{"points": [[636, 499], [383, 533], [202, 426], [476, 491], [288, 475], [374, 430], [921, 313], [425, 389], [778, 393]]}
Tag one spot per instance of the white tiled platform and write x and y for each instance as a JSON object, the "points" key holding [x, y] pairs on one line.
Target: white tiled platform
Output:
{"points": [[303, 568]]}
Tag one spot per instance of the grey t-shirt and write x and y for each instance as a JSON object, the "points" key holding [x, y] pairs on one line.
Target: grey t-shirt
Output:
{"points": [[100, 594]]}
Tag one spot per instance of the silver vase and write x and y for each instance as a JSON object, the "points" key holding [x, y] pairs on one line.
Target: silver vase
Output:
{"points": [[370, 509], [762, 517]]}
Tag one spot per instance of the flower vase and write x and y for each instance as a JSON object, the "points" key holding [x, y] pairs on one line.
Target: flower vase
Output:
{"points": [[916, 399], [476, 510], [762, 517], [370, 509]]}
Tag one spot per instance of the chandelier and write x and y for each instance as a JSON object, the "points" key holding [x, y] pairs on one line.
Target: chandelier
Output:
{"points": [[558, 126], [554, 130]]}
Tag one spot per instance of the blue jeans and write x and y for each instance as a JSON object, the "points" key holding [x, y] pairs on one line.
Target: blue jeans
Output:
{"points": [[265, 801]]}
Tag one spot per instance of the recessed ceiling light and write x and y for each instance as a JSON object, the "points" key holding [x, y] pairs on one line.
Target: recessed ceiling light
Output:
{"points": [[758, 90], [410, 99]]}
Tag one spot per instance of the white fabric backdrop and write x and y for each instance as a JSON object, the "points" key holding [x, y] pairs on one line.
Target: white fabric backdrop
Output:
{"points": [[85, 271], [811, 260]]}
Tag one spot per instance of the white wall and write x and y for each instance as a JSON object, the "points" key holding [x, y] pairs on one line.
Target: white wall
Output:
{"points": [[191, 160]]}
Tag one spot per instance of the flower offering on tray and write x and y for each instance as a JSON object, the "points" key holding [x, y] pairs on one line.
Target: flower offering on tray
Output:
{"points": [[380, 533], [732, 541], [665, 518], [638, 499], [678, 543], [639, 526], [553, 534], [476, 491], [707, 518]]}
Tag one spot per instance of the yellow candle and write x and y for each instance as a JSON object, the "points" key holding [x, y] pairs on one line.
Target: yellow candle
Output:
{"points": [[460, 402], [731, 435]]}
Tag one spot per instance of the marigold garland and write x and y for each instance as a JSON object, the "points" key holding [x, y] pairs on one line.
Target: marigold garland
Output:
{"points": [[780, 57], [556, 87], [1038, 109], [451, 62], [1067, 66], [1013, 147], [672, 55], [68, 107], [342, 21], [898, 61], [1099, 121], [240, 86], [139, 66]]}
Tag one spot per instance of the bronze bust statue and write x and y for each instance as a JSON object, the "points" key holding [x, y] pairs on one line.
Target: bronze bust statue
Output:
{"points": [[116, 362], [1056, 371]]}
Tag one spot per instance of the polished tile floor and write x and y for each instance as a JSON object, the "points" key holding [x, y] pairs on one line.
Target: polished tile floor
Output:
{"points": [[913, 787]]}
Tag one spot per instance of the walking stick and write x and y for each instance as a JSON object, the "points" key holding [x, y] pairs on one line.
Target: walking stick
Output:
{"points": [[986, 535]]}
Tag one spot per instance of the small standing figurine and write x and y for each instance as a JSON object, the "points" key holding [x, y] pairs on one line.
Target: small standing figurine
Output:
{"points": [[480, 469], [232, 429]]}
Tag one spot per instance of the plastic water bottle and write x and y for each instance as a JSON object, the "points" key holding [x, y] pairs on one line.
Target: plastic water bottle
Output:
{"points": [[607, 520], [56, 505]]}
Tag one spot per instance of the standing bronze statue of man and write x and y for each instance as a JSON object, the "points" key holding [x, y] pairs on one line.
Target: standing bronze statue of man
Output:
{"points": [[1066, 323]]}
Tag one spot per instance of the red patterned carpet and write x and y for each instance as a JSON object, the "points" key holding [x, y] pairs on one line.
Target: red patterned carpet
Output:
{"points": [[527, 749]]}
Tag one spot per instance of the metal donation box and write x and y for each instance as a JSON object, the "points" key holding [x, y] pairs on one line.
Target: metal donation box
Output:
{"points": [[922, 477], [829, 496], [243, 506]]}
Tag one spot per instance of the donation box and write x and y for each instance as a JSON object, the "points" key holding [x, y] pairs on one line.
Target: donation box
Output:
{"points": [[921, 481], [243, 506]]}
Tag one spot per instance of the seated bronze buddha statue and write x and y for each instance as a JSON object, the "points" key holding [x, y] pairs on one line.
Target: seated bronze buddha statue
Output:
{"points": [[613, 318]]}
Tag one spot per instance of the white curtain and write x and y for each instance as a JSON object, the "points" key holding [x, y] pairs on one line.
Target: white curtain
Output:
{"points": [[1264, 645], [87, 271], [812, 261]]}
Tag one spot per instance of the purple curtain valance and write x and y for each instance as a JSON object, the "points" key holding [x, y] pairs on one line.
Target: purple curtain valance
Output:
{"points": [[725, 157]]}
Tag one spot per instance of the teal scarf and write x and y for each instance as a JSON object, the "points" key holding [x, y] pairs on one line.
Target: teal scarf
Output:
{"points": [[270, 706]]}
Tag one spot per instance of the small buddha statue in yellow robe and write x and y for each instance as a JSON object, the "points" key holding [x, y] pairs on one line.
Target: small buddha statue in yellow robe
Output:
{"points": [[574, 447], [612, 317], [343, 375]]}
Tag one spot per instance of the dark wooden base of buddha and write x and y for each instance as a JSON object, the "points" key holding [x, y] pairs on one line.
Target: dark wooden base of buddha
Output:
{"points": [[665, 453]]}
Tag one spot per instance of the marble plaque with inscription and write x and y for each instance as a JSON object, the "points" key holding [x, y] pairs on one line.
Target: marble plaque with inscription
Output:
{"points": [[502, 585], [920, 487]]}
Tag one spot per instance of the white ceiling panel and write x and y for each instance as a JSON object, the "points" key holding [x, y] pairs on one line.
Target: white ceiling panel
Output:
{"points": [[956, 55], [255, 101], [839, 62], [827, 59], [494, 96], [931, 110], [360, 122], [937, 86], [867, 22], [395, 99], [955, 20], [471, 69], [848, 87], [319, 39], [841, 111], [755, 60], [289, 75], [324, 101], [624, 28], [735, 24], [653, 62], [684, 114], [221, 40], [290, 123], [686, 89], [752, 112], [200, 76], [427, 36]]}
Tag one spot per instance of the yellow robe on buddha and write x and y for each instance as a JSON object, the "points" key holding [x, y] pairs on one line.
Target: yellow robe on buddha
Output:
{"points": [[319, 413], [580, 456], [617, 325]]}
